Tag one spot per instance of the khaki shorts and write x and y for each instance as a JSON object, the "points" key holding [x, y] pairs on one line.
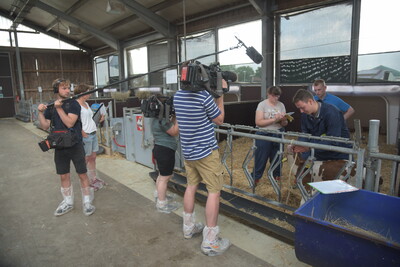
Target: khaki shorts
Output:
{"points": [[208, 169]]}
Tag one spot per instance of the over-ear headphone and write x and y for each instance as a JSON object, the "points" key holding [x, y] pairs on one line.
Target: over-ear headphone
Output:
{"points": [[56, 83]]}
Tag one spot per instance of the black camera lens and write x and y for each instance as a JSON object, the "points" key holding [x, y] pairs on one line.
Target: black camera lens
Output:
{"points": [[44, 146]]}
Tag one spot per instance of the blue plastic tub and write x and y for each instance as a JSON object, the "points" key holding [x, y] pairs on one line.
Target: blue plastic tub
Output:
{"points": [[327, 230]]}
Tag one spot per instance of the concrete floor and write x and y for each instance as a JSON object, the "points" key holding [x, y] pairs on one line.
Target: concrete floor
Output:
{"points": [[125, 230]]}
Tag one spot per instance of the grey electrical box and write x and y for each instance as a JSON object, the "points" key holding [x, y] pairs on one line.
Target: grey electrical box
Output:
{"points": [[139, 139], [118, 135]]}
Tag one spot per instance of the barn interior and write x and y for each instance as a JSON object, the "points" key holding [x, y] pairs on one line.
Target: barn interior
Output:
{"points": [[130, 49]]}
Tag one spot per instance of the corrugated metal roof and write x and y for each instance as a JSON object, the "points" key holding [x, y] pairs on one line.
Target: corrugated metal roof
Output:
{"points": [[99, 29]]}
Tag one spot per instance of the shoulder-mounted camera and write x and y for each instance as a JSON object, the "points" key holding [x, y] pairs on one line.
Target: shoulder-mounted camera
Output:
{"points": [[197, 77], [157, 106]]}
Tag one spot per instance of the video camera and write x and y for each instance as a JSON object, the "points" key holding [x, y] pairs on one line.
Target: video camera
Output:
{"points": [[158, 106], [197, 77]]}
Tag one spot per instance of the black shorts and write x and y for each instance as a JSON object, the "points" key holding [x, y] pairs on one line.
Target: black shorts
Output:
{"points": [[165, 159], [63, 157]]}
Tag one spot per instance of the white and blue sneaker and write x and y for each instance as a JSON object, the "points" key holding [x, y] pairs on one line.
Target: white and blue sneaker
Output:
{"points": [[63, 208]]}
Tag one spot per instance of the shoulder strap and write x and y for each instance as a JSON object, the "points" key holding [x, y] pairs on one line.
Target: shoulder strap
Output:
{"points": [[52, 119]]}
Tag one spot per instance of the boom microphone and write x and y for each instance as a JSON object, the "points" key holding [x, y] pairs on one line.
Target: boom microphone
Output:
{"points": [[229, 76], [252, 52]]}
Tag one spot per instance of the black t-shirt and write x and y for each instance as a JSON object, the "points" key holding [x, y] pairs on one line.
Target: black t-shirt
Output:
{"points": [[70, 106]]}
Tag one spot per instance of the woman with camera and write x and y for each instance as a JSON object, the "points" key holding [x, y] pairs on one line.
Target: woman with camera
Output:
{"points": [[164, 131]]}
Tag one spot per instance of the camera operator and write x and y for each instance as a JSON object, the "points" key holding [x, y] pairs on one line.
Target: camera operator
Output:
{"points": [[196, 112], [164, 131], [65, 115]]}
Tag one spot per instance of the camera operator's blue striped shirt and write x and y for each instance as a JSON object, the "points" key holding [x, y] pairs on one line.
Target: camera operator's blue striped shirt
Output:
{"points": [[195, 112]]}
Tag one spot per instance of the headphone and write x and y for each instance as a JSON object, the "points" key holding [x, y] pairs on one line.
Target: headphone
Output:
{"points": [[56, 83]]}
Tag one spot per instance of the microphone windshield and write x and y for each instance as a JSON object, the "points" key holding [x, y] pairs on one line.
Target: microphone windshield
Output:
{"points": [[229, 76], [254, 55]]}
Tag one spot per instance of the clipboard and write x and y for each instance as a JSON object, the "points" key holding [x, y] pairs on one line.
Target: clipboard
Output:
{"points": [[97, 115]]}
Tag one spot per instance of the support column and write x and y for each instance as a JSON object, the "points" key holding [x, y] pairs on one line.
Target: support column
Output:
{"points": [[355, 33], [123, 87], [18, 58], [267, 74]]}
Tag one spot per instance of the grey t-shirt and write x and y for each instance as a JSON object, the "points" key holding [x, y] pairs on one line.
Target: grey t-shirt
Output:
{"points": [[270, 112], [161, 138]]}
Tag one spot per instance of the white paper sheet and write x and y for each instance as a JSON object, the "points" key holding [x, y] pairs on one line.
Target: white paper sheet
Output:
{"points": [[333, 187]]}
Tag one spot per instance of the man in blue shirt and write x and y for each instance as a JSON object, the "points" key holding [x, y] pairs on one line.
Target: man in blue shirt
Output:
{"points": [[323, 96], [320, 119], [196, 112]]}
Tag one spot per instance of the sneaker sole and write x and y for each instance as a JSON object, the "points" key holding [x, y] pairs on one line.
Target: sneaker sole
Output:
{"points": [[166, 211], [89, 213], [60, 214], [212, 253]]}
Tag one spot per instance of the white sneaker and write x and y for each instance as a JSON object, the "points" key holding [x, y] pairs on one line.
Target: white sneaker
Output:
{"points": [[88, 209], [168, 207], [190, 232], [63, 208], [216, 247]]}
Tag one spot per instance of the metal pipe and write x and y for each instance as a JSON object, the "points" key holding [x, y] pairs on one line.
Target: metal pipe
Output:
{"points": [[287, 141], [291, 134], [385, 156], [378, 174], [357, 131], [372, 147]]}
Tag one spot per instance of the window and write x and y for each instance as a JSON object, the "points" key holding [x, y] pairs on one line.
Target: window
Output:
{"points": [[236, 60], [101, 70], [158, 58], [316, 44], [113, 65], [106, 70], [137, 64], [379, 45], [32, 40], [198, 45]]}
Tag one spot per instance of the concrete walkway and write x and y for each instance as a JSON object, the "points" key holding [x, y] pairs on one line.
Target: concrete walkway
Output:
{"points": [[125, 230]]}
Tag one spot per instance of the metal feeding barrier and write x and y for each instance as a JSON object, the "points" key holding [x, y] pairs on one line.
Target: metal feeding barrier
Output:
{"points": [[373, 163], [265, 212], [237, 130]]}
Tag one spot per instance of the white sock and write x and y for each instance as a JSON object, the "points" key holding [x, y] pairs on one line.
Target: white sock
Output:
{"points": [[210, 233], [86, 199], [68, 200]]}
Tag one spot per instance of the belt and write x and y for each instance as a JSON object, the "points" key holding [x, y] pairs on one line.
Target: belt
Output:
{"points": [[92, 133]]}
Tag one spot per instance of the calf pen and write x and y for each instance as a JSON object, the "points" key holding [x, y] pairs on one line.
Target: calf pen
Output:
{"points": [[271, 204], [237, 158]]}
